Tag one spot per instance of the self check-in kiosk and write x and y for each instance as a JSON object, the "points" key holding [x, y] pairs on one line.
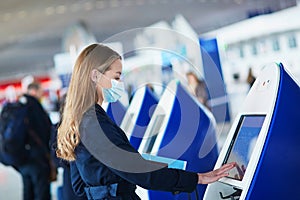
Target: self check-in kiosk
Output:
{"points": [[182, 129], [115, 110], [138, 115], [264, 142]]}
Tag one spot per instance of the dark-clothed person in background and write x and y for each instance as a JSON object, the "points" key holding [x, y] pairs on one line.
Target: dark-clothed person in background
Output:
{"points": [[36, 171]]}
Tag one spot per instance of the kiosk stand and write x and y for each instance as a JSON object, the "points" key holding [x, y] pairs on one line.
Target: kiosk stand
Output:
{"points": [[115, 111], [264, 142], [184, 130], [138, 115]]}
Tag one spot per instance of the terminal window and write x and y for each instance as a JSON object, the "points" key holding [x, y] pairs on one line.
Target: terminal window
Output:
{"points": [[275, 44], [243, 143], [292, 41]]}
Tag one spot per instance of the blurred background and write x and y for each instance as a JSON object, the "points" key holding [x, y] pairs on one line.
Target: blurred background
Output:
{"points": [[225, 40]]}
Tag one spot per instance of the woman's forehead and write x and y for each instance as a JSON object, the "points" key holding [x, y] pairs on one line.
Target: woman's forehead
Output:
{"points": [[116, 66]]}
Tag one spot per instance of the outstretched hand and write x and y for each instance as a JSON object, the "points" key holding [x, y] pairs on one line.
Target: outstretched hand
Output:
{"points": [[213, 176]]}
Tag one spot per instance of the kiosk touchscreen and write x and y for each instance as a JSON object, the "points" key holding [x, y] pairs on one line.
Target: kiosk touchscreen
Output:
{"points": [[242, 144], [138, 115], [115, 111], [181, 129], [264, 142]]}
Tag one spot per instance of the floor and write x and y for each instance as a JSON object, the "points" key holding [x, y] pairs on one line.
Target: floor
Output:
{"points": [[11, 184]]}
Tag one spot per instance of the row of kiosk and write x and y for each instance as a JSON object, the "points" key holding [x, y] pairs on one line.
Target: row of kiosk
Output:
{"points": [[175, 129], [263, 140]]}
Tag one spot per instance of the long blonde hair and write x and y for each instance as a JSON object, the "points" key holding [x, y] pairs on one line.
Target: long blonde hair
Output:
{"points": [[81, 96]]}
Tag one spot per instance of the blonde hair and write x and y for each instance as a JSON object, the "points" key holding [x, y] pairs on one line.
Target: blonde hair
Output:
{"points": [[81, 96]]}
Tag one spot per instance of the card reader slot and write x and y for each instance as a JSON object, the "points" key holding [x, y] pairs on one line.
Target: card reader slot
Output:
{"points": [[232, 196]]}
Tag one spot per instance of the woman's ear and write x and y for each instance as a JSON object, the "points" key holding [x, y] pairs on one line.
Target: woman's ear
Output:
{"points": [[94, 75]]}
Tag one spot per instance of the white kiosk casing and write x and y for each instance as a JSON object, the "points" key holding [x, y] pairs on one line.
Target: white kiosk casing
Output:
{"points": [[138, 115], [184, 130], [264, 142]]}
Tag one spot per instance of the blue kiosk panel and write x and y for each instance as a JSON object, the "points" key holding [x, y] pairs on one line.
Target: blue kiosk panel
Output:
{"points": [[214, 79], [280, 156], [116, 111], [138, 115], [264, 142], [182, 129]]}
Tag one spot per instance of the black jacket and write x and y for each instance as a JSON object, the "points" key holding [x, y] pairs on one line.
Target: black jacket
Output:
{"points": [[105, 156], [41, 125]]}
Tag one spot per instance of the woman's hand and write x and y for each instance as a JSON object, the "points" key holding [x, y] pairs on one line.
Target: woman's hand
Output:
{"points": [[213, 176]]}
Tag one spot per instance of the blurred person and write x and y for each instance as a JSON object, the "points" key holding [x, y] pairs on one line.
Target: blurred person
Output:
{"points": [[150, 86], [250, 78], [37, 170], [10, 94], [198, 88], [103, 163]]}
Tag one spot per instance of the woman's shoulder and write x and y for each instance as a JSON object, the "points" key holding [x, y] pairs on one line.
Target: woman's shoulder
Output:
{"points": [[96, 116], [94, 113], [95, 109]]}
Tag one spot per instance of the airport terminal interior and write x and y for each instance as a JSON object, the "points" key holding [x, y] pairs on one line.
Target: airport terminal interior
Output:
{"points": [[207, 82]]}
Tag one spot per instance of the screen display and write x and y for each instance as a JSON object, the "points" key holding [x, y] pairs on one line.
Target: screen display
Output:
{"points": [[128, 123], [242, 144], [153, 133]]}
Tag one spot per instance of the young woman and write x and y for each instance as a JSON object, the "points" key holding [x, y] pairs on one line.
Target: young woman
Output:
{"points": [[103, 163]]}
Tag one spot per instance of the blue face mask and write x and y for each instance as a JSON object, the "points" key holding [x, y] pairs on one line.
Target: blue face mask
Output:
{"points": [[115, 92]]}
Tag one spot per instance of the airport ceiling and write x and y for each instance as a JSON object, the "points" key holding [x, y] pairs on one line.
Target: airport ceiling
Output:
{"points": [[32, 30]]}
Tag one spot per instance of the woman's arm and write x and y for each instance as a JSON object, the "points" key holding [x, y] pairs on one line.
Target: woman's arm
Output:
{"points": [[109, 145], [77, 183]]}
